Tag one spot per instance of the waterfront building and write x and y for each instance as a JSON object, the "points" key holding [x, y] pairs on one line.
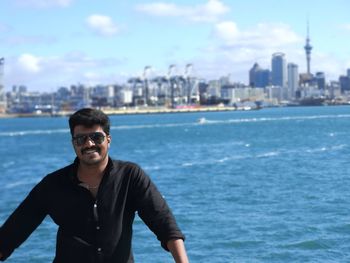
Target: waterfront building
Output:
{"points": [[252, 74], [80, 97], [102, 96], [344, 82], [203, 92], [262, 78], [126, 97], [320, 79], [279, 70], [228, 93], [293, 80], [258, 77], [274, 94], [334, 90], [214, 89]]}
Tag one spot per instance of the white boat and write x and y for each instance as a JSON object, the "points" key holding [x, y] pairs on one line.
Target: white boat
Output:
{"points": [[202, 120]]}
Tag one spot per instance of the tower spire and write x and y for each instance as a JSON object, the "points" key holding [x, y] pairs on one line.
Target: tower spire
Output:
{"points": [[308, 49]]}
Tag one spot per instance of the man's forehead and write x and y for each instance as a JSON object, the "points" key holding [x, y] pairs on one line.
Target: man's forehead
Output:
{"points": [[87, 129]]}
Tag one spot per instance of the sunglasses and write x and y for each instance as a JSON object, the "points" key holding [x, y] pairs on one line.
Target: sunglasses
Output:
{"points": [[96, 137]]}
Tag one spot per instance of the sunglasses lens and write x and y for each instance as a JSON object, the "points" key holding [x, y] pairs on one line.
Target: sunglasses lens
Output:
{"points": [[80, 140], [96, 137]]}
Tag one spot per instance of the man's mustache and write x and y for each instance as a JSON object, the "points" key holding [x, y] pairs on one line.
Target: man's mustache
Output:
{"points": [[94, 148]]}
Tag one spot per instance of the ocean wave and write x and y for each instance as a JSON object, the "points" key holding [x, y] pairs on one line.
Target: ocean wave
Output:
{"points": [[327, 149], [218, 160], [169, 125], [8, 164], [32, 132], [309, 244], [19, 183], [268, 154], [321, 149], [149, 126], [269, 119]]}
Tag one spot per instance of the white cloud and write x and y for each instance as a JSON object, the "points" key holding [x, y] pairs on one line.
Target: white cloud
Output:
{"points": [[227, 31], [263, 35], [29, 63], [102, 25], [207, 12], [49, 73], [233, 51], [44, 3]]}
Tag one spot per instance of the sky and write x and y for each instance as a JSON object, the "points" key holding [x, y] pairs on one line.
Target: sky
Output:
{"points": [[48, 44]]}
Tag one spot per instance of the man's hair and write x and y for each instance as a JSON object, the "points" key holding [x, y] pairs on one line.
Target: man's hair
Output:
{"points": [[89, 117]]}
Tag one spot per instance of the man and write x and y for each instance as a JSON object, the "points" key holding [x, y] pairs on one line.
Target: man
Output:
{"points": [[93, 201]]}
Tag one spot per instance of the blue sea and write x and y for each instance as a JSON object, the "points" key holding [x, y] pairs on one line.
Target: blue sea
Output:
{"points": [[271, 185]]}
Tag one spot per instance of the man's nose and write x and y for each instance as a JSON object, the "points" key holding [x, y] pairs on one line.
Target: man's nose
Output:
{"points": [[89, 142]]}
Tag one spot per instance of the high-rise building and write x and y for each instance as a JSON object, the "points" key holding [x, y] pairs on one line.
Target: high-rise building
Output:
{"points": [[258, 77], [252, 74], [320, 80], [293, 79], [262, 78], [344, 82], [279, 70]]}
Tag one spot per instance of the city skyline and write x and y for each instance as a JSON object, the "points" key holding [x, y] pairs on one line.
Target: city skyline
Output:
{"points": [[51, 43]]}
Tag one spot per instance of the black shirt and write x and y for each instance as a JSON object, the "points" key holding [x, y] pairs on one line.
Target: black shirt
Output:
{"points": [[92, 230]]}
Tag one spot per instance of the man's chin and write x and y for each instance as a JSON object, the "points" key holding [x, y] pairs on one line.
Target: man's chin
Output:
{"points": [[91, 161]]}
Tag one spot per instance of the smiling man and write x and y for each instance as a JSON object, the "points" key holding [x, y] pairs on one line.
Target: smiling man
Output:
{"points": [[93, 201]]}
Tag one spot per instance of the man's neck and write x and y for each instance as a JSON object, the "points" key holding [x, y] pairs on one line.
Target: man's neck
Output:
{"points": [[93, 171]]}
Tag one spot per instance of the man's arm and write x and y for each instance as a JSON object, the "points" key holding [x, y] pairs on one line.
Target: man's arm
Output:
{"points": [[177, 249], [21, 223]]}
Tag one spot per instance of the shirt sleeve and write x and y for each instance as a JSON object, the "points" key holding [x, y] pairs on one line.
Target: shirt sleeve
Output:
{"points": [[153, 209], [22, 222]]}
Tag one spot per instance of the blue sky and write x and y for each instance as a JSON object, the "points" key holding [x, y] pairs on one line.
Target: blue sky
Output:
{"points": [[51, 43]]}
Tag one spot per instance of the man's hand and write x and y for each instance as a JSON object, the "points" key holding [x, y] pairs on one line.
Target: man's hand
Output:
{"points": [[0, 255], [177, 249]]}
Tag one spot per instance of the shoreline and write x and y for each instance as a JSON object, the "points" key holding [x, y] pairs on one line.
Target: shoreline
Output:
{"points": [[126, 111], [152, 110]]}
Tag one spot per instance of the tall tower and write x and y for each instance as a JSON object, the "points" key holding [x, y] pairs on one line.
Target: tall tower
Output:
{"points": [[308, 49], [2, 90]]}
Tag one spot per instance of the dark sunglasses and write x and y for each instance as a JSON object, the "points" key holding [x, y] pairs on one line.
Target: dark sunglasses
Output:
{"points": [[96, 137]]}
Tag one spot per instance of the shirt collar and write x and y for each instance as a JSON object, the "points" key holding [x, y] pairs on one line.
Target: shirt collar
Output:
{"points": [[74, 170]]}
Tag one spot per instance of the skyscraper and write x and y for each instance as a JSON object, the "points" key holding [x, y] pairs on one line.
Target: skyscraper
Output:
{"points": [[258, 77], [279, 70], [252, 74], [321, 80]]}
